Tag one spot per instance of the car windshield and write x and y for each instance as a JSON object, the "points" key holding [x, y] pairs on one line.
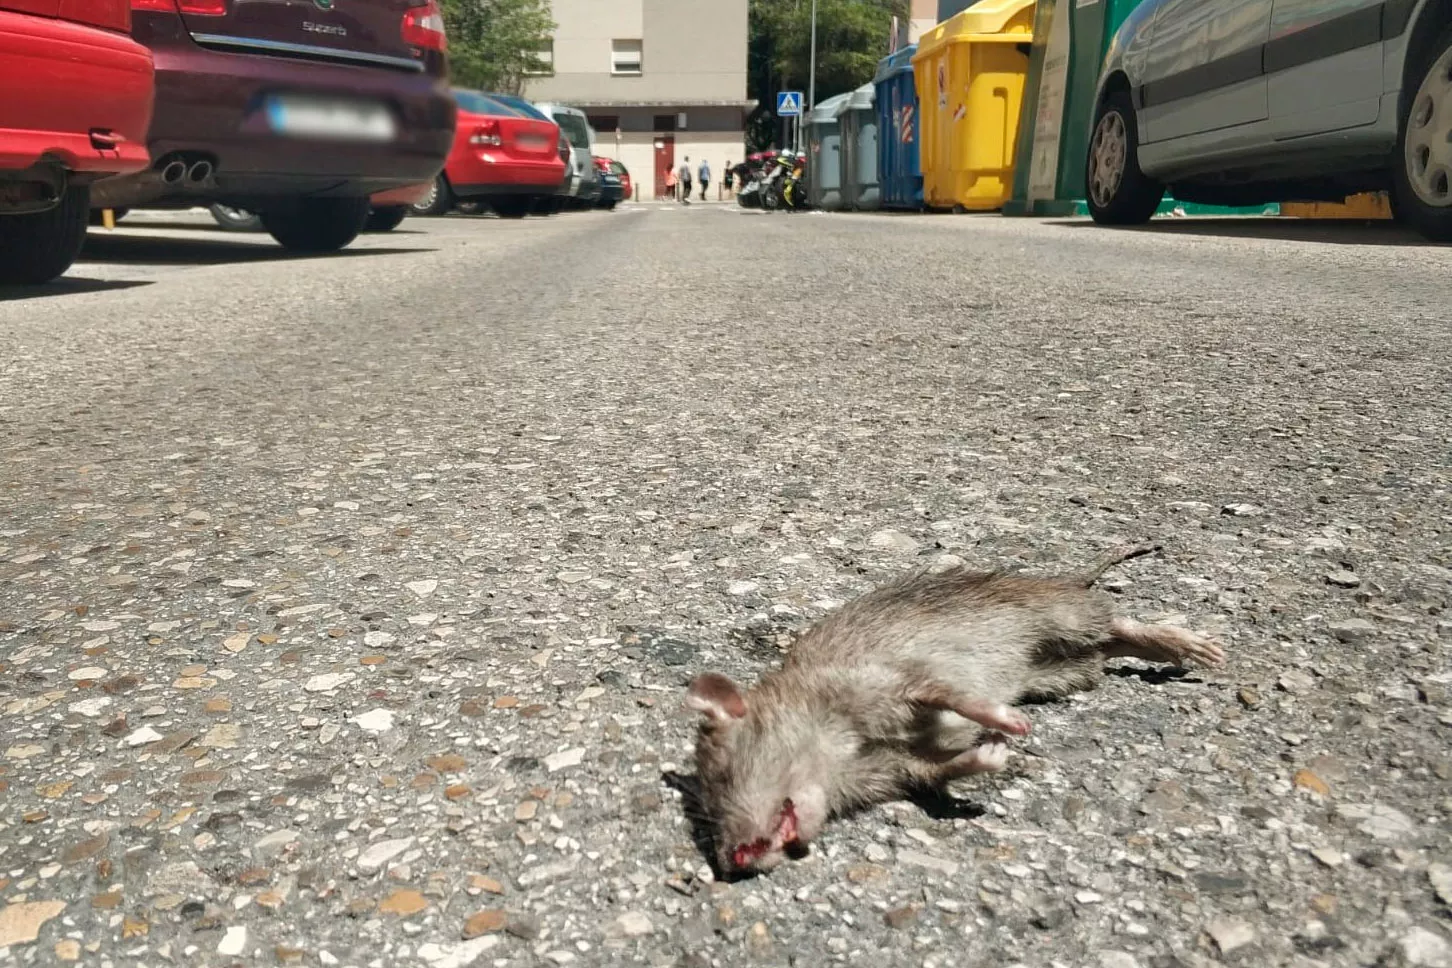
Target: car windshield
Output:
{"points": [[521, 105], [476, 103], [617, 167], [574, 128]]}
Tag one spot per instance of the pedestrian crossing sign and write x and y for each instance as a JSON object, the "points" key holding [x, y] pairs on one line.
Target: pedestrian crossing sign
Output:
{"points": [[789, 104]]}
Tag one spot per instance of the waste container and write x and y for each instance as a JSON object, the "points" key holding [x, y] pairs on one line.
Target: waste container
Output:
{"points": [[1070, 41], [859, 150], [970, 72], [899, 178], [824, 153]]}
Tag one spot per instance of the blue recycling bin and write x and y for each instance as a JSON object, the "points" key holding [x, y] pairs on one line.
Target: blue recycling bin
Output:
{"points": [[899, 171]]}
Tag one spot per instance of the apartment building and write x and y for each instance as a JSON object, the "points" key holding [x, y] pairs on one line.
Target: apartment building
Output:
{"points": [[660, 80]]}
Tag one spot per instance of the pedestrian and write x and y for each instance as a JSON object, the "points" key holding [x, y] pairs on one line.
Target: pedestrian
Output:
{"points": [[705, 176], [729, 177], [671, 183], [685, 180]]}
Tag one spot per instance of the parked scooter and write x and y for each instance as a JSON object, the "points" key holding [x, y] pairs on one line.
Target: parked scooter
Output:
{"points": [[782, 186]]}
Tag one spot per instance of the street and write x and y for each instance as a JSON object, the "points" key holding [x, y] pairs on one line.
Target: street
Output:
{"points": [[347, 604]]}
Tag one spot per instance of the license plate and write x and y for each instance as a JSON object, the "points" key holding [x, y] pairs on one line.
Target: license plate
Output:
{"points": [[329, 118], [533, 142]]}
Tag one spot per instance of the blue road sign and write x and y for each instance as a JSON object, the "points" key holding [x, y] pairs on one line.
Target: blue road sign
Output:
{"points": [[789, 104]]}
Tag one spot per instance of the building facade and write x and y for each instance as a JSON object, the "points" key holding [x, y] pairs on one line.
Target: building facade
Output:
{"points": [[661, 80]]}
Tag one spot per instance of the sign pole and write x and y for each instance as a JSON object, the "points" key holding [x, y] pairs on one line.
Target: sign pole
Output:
{"points": [[812, 64]]}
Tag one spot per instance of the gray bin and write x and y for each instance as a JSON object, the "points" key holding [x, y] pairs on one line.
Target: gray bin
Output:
{"points": [[824, 153], [859, 150]]}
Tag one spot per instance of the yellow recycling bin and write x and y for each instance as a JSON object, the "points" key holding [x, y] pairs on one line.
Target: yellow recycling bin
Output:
{"points": [[1369, 205], [970, 71]]}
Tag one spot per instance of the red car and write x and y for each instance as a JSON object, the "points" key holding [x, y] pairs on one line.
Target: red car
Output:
{"points": [[296, 110], [76, 103], [505, 155]]}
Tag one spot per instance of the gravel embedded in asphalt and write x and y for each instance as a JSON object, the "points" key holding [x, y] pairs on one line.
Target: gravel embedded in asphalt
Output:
{"points": [[346, 604]]}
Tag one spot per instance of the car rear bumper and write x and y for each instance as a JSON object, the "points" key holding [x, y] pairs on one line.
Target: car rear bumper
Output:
{"points": [[474, 176], [211, 103], [77, 94]]}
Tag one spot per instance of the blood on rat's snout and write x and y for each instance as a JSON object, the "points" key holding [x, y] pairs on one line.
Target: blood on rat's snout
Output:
{"points": [[745, 855]]}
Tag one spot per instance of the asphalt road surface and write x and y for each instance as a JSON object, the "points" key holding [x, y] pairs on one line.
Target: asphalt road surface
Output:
{"points": [[346, 603]]}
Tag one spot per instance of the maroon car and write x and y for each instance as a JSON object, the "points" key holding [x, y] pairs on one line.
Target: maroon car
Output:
{"points": [[297, 110]]}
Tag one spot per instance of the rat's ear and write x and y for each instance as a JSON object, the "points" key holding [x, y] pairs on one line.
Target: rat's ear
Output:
{"points": [[715, 696]]}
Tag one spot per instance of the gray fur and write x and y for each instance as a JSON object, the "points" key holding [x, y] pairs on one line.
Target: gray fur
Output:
{"points": [[863, 706]]}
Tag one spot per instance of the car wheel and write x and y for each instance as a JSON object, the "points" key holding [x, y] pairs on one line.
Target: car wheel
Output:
{"points": [[1422, 166], [610, 205], [439, 200], [234, 219], [96, 218], [470, 208], [317, 224], [1119, 193], [546, 206], [511, 207], [40, 246], [386, 219]]}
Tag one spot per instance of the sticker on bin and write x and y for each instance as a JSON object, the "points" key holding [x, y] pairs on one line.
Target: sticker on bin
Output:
{"points": [[330, 118]]}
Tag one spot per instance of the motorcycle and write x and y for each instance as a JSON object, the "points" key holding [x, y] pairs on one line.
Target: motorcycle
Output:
{"points": [[782, 186]]}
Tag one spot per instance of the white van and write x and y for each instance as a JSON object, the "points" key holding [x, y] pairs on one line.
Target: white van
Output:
{"points": [[583, 182]]}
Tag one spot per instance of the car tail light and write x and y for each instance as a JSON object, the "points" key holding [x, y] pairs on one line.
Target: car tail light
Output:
{"points": [[156, 6], [564, 148], [423, 27], [107, 14], [203, 8], [486, 134]]}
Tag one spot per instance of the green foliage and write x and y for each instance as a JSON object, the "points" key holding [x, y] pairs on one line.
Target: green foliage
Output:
{"points": [[852, 36], [493, 44]]}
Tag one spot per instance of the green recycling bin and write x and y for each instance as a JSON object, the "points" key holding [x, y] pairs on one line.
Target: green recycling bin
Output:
{"points": [[1070, 41]]}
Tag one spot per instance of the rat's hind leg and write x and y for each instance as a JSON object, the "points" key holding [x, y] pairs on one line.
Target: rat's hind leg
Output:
{"points": [[1161, 643], [988, 755]]}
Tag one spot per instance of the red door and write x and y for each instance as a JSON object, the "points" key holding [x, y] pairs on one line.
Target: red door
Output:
{"points": [[665, 160]]}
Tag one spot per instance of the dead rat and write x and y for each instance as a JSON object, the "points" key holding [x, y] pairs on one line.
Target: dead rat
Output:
{"points": [[890, 691]]}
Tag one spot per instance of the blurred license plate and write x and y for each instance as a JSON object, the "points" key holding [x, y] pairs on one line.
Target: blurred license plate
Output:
{"points": [[310, 117], [533, 141]]}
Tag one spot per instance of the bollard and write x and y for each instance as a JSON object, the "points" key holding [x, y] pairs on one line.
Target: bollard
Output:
{"points": [[108, 218]]}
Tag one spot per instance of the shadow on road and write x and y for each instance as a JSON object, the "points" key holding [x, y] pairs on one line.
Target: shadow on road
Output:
{"points": [[1326, 231], [70, 286], [205, 252], [142, 222]]}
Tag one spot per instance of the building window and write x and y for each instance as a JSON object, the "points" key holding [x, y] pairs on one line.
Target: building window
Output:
{"points": [[544, 61], [664, 122], [625, 57], [604, 122]]}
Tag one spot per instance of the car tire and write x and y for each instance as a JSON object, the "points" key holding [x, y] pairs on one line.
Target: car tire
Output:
{"points": [[96, 218], [233, 219], [439, 201], [1422, 165], [1117, 191], [511, 207], [548, 205], [317, 225], [39, 247], [610, 206], [386, 219]]}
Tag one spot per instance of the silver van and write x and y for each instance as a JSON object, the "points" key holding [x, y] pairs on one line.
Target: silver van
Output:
{"points": [[583, 183], [1240, 102]]}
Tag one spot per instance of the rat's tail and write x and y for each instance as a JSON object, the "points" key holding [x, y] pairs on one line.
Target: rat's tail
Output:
{"points": [[1119, 555]]}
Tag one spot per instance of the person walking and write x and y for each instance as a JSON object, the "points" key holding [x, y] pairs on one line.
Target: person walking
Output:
{"points": [[671, 183], [728, 177], [685, 179], [705, 176]]}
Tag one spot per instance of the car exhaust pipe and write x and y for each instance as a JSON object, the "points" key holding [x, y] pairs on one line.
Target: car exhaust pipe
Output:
{"points": [[199, 172], [174, 172]]}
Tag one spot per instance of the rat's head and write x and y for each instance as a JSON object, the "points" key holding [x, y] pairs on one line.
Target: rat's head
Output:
{"points": [[763, 768]]}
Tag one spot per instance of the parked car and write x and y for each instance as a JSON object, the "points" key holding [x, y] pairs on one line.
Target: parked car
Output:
{"points": [[505, 156], [1240, 102], [77, 100], [294, 112], [611, 190], [627, 188], [582, 185]]}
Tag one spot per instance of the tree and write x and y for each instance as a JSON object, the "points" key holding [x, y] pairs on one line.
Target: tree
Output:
{"points": [[495, 44], [852, 36]]}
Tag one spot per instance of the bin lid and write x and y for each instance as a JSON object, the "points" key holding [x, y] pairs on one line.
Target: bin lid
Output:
{"points": [[898, 62], [828, 111], [986, 19], [863, 99]]}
